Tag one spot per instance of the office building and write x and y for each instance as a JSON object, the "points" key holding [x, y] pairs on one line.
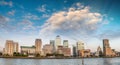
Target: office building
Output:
{"points": [[52, 43], [57, 42], [38, 44], [107, 51], [65, 43]]}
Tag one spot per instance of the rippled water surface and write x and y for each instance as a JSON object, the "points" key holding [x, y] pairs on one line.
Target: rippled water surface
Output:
{"points": [[87, 61]]}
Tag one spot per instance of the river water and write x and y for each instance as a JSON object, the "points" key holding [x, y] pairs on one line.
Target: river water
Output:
{"points": [[87, 61]]}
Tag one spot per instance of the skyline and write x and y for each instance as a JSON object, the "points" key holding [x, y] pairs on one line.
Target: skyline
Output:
{"points": [[87, 21]]}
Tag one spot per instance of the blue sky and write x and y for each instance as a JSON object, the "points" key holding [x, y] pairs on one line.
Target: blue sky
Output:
{"points": [[89, 21]]}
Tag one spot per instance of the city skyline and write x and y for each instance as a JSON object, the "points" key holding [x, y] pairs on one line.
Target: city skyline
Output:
{"points": [[78, 20]]}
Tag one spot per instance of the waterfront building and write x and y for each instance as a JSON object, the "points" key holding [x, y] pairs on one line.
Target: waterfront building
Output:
{"points": [[60, 49], [52, 43], [57, 42], [28, 50], [66, 51], [99, 52], [74, 51], [87, 53], [65, 43], [47, 49], [38, 44], [107, 51], [16, 47], [10, 47], [79, 46]]}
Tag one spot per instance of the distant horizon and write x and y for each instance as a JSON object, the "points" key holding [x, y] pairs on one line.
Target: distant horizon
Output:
{"points": [[89, 21]]}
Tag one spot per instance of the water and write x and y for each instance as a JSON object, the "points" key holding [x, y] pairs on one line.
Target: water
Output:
{"points": [[87, 61]]}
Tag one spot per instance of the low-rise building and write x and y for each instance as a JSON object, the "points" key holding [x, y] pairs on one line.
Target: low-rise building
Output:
{"points": [[28, 50]]}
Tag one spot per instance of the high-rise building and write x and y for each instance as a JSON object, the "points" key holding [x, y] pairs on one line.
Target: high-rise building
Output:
{"points": [[106, 48], [52, 43], [65, 43], [74, 51], [16, 47], [38, 44], [80, 45], [57, 42], [9, 47]]}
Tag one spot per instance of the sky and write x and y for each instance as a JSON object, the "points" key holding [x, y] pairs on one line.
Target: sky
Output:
{"points": [[89, 21]]}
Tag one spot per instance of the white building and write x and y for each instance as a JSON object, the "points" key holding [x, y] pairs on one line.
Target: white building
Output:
{"points": [[30, 50], [65, 43], [80, 45], [57, 42]]}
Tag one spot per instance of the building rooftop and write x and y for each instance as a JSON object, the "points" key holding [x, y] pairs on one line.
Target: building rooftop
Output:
{"points": [[27, 46]]}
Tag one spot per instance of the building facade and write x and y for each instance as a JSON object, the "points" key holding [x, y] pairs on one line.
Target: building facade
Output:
{"points": [[107, 51], [47, 49], [65, 43], [52, 43], [38, 45], [57, 42], [28, 50], [10, 47]]}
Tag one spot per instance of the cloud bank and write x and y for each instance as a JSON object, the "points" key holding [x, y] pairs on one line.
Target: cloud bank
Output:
{"points": [[80, 21]]}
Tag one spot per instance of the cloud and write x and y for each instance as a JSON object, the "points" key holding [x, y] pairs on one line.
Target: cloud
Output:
{"points": [[80, 21], [3, 21], [31, 16], [26, 25], [42, 8], [11, 12], [45, 16], [110, 34], [10, 3]]}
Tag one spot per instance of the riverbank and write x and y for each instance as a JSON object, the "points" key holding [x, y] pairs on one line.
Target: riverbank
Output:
{"points": [[52, 57]]}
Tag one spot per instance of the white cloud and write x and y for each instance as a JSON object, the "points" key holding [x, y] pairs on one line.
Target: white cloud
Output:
{"points": [[10, 3], [11, 12], [42, 8], [45, 16], [31, 16], [74, 21], [26, 25]]}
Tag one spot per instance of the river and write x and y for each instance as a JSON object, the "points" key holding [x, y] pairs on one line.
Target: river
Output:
{"points": [[87, 61]]}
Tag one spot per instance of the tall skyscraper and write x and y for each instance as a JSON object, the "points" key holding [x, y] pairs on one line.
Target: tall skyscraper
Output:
{"points": [[65, 43], [74, 51], [80, 45], [106, 48], [38, 44], [57, 42], [11, 47], [52, 43], [16, 47]]}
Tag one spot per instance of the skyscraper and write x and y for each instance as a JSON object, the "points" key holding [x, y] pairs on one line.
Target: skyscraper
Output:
{"points": [[74, 51], [11, 47], [16, 47], [80, 45], [38, 44], [65, 43], [106, 48], [52, 43], [57, 42]]}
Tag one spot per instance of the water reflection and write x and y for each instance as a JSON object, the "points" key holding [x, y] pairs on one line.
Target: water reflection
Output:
{"points": [[87, 61]]}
